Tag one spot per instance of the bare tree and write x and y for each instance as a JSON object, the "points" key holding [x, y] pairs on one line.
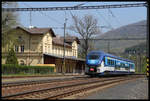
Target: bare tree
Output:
{"points": [[86, 28]]}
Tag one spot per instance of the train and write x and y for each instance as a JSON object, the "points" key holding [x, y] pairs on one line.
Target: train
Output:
{"points": [[100, 63]]}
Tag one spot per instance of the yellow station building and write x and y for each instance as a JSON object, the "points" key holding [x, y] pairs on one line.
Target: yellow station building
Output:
{"points": [[41, 46]]}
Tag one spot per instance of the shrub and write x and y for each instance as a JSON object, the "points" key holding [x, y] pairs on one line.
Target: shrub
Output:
{"points": [[19, 69], [11, 57]]}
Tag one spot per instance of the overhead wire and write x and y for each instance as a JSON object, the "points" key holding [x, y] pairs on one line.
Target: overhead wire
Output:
{"points": [[114, 16], [110, 26], [45, 15]]}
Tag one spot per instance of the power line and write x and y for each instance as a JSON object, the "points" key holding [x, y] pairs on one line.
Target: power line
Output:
{"points": [[113, 15], [117, 39], [30, 19], [110, 26], [77, 7], [44, 14], [74, 27]]}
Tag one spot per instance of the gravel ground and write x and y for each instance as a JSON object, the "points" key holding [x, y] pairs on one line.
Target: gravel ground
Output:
{"points": [[137, 89]]}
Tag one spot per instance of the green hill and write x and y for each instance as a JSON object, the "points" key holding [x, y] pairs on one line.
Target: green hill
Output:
{"points": [[135, 30]]}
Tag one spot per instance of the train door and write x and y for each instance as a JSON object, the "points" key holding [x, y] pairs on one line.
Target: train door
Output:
{"points": [[117, 66], [128, 68]]}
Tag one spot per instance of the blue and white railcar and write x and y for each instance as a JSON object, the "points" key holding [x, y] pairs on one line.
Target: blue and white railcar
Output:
{"points": [[100, 63]]}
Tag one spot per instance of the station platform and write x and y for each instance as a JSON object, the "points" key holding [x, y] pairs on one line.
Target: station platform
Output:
{"points": [[35, 78]]}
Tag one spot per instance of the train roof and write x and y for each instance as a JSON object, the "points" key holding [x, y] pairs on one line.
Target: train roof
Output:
{"points": [[110, 55]]}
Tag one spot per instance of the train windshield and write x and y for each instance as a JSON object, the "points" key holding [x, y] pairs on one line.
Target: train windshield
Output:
{"points": [[94, 56]]}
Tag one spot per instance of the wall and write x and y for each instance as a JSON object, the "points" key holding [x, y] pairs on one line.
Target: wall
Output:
{"points": [[75, 49]]}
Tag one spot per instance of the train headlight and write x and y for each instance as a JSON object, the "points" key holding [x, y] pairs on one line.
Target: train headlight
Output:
{"points": [[91, 69]]}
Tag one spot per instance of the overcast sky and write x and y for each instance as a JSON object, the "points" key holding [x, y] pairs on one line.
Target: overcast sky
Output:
{"points": [[114, 17]]}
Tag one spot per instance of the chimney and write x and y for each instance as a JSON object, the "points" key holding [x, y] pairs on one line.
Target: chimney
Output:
{"points": [[31, 27]]}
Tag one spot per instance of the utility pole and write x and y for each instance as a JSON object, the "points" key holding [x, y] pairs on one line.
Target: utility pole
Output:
{"points": [[108, 47], [64, 67], [30, 19]]}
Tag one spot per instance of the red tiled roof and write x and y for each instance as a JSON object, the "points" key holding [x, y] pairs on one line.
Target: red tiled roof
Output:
{"points": [[37, 30], [60, 41], [70, 39], [56, 40]]}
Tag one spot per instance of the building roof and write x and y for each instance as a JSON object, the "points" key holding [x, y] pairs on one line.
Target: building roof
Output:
{"points": [[60, 41], [67, 57], [55, 40], [36, 30], [68, 40]]}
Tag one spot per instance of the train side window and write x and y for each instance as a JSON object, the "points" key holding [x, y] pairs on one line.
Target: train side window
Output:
{"points": [[110, 62], [122, 65], [129, 65], [132, 66], [115, 62], [106, 61]]}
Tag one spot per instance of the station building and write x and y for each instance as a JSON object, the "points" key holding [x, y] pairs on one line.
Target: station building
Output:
{"points": [[41, 46]]}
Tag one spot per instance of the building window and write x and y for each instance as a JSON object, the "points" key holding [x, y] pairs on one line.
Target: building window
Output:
{"points": [[20, 38], [47, 38], [22, 62], [16, 48], [58, 51], [66, 52], [22, 48], [45, 49], [48, 49], [75, 52], [41, 48]]}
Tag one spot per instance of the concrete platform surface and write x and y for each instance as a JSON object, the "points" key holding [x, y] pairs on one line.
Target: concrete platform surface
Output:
{"points": [[38, 78], [136, 89]]}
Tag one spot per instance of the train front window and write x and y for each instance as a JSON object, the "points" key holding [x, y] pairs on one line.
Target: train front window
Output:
{"points": [[92, 57]]}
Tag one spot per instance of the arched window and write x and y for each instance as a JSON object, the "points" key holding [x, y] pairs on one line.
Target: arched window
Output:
{"points": [[16, 48], [22, 48], [19, 38], [22, 62]]}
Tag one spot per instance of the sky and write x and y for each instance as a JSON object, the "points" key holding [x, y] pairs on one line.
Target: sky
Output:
{"points": [[111, 18]]}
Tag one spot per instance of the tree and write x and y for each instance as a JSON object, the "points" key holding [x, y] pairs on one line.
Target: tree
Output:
{"points": [[9, 21], [11, 57], [86, 28]]}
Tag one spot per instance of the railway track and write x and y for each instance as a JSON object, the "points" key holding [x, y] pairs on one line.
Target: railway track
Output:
{"points": [[13, 88], [67, 89], [33, 82]]}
